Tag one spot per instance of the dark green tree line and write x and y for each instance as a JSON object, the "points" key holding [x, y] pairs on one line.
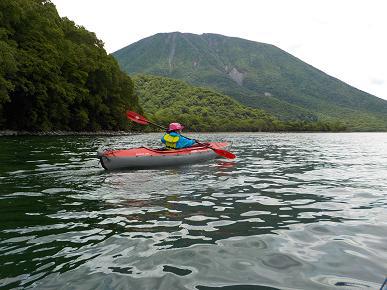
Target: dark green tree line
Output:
{"points": [[200, 109], [55, 75]]}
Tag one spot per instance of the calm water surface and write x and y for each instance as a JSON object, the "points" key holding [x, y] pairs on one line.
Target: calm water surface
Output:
{"points": [[293, 211]]}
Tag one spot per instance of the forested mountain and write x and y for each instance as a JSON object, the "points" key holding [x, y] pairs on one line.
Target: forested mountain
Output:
{"points": [[55, 75], [200, 109], [256, 74]]}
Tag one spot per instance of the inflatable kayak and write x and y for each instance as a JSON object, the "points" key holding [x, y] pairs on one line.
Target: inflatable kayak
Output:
{"points": [[143, 157]]}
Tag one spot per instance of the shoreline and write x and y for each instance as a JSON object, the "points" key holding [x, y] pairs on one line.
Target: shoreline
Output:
{"points": [[6, 133]]}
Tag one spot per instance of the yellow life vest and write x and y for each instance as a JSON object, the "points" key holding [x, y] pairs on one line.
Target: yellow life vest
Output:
{"points": [[170, 141]]}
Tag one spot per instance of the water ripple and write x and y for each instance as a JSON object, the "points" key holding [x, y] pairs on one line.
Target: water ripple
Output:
{"points": [[293, 211]]}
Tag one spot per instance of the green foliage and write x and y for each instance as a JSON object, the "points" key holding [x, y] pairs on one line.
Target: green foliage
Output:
{"points": [[55, 75], [257, 75], [199, 109]]}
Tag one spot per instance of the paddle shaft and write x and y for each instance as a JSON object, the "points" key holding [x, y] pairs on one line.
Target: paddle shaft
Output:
{"points": [[220, 152], [157, 125]]}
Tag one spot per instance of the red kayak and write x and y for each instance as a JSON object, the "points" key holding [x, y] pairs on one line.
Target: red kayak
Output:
{"points": [[143, 157]]}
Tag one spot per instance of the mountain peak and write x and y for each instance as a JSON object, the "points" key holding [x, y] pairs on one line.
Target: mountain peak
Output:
{"points": [[256, 74]]}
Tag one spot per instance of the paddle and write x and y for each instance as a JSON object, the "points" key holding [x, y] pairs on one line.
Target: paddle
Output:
{"points": [[135, 117]]}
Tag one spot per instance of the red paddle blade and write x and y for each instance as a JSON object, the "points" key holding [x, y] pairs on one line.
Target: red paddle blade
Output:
{"points": [[224, 153], [137, 118]]}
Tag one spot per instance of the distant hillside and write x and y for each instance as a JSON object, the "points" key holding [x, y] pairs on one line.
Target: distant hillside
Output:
{"points": [[199, 109], [256, 74]]}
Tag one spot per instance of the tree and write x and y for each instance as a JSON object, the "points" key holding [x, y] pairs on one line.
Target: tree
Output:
{"points": [[57, 75]]}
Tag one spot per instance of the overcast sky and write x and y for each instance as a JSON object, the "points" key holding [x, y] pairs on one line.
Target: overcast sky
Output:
{"points": [[345, 38]]}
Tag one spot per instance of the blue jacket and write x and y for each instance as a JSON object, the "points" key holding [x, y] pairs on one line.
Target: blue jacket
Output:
{"points": [[175, 140]]}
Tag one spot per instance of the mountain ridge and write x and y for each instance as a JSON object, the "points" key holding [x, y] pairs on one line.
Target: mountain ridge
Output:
{"points": [[257, 74]]}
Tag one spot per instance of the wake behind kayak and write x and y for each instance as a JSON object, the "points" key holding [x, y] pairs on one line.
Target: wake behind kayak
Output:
{"points": [[143, 157]]}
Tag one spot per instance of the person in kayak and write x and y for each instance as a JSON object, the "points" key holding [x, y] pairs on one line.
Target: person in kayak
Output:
{"points": [[173, 138]]}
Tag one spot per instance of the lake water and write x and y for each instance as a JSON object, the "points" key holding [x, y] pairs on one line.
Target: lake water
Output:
{"points": [[293, 211]]}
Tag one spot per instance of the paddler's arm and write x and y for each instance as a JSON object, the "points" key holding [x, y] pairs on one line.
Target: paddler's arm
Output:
{"points": [[162, 139], [186, 142]]}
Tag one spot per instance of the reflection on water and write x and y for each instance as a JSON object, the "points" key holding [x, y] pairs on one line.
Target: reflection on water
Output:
{"points": [[293, 211]]}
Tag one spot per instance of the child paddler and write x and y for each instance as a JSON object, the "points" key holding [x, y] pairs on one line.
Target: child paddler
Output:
{"points": [[173, 138]]}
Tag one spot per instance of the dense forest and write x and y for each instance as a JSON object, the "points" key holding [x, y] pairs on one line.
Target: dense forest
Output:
{"points": [[55, 75], [257, 75], [201, 109]]}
